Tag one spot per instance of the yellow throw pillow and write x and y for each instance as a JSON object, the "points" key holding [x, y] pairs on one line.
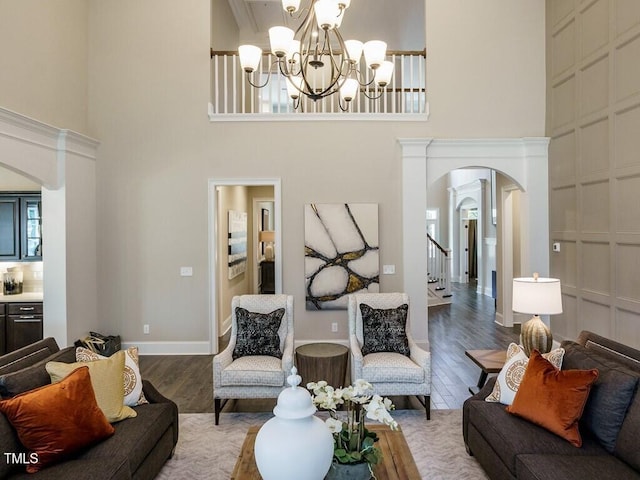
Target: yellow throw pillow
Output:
{"points": [[132, 379], [106, 379]]}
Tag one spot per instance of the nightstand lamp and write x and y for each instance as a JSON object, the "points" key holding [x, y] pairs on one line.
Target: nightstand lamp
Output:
{"points": [[537, 296]]}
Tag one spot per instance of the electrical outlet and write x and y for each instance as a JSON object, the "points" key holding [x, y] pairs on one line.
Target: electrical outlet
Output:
{"points": [[388, 269], [145, 329], [334, 327], [186, 271]]}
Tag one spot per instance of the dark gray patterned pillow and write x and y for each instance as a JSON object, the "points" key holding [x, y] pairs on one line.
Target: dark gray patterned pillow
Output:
{"points": [[384, 329], [258, 333]]}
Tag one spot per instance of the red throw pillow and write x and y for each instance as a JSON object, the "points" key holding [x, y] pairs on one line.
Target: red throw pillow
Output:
{"points": [[57, 420], [553, 399]]}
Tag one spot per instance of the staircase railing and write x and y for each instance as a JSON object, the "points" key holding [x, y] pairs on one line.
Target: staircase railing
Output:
{"points": [[439, 266]]}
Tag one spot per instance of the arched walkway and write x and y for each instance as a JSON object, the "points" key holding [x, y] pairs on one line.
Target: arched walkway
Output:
{"points": [[63, 162], [424, 160]]}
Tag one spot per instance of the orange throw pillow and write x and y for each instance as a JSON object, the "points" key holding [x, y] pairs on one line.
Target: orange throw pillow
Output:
{"points": [[57, 420], [553, 399]]}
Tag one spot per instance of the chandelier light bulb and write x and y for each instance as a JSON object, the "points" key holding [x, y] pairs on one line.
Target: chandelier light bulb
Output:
{"points": [[383, 73], [349, 89], [344, 4], [291, 6], [280, 38], [326, 13], [354, 50], [250, 56], [374, 53]]}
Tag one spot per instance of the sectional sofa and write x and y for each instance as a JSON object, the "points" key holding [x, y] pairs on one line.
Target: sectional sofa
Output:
{"points": [[137, 450], [509, 447]]}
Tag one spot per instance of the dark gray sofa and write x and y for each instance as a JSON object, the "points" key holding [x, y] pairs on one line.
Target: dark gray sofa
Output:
{"points": [[138, 449], [509, 447]]}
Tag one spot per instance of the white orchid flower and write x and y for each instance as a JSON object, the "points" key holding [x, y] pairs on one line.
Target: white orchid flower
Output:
{"points": [[361, 387], [335, 425]]}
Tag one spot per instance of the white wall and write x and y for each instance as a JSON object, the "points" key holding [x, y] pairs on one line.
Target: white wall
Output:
{"points": [[43, 47], [148, 84]]}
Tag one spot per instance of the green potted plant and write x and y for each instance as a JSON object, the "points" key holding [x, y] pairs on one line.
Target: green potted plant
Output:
{"points": [[354, 450]]}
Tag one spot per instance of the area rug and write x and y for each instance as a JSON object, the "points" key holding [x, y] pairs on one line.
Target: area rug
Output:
{"points": [[206, 451]]}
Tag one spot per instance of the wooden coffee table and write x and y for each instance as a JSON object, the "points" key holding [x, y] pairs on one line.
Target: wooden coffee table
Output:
{"points": [[397, 461], [489, 361]]}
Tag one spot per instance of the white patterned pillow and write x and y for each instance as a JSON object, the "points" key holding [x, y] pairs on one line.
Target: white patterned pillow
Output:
{"points": [[133, 394], [509, 378]]}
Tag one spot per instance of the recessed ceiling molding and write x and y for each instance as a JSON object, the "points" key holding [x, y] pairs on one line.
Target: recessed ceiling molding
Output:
{"points": [[244, 17]]}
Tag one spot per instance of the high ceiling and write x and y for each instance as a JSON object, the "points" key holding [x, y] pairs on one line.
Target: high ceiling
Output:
{"points": [[400, 23]]}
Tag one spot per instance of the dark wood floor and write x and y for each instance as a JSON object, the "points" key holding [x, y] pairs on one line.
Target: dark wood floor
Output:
{"points": [[468, 323]]}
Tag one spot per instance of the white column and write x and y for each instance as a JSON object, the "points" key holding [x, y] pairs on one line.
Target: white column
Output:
{"points": [[414, 233]]}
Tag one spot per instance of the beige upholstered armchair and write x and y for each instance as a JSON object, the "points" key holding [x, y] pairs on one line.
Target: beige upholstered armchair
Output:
{"points": [[250, 366], [391, 373]]}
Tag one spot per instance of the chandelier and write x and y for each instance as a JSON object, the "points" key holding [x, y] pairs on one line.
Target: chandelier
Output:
{"points": [[316, 61]]}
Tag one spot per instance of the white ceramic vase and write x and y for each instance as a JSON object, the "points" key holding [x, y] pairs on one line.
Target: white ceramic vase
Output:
{"points": [[294, 444]]}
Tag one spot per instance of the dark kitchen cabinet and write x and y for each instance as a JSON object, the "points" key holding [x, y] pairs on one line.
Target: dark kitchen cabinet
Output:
{"points": [[9, 228], [20, 226], [23, 324]]}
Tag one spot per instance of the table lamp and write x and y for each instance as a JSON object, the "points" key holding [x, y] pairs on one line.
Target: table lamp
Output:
{"points": [[537, 296], [267, 237]]}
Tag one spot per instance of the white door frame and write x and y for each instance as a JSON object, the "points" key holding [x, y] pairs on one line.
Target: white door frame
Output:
{"points": [[214, 262], [506, 199]]}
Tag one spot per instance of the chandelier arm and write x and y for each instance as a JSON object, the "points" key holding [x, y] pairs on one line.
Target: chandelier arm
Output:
{"points": [[309, 20], [374, 97], [336, 73], [248, 75]]}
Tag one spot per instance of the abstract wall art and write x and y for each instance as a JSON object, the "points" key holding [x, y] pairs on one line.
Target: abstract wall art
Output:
{"points": [[237, 243], [341, 252]]}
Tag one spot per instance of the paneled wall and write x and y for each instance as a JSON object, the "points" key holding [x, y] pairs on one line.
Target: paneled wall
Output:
{"points": [[593, 119]]}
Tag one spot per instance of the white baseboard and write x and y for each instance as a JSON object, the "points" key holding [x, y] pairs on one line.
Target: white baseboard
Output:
{"points": [[499, 319], [170, 348], [225, 327]]}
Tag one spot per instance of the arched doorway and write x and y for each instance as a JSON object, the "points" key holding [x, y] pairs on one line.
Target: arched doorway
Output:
{"points": [[63, 162], [424, 160]]}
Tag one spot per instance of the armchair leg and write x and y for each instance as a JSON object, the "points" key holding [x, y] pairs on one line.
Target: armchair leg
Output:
{"points": [[426, 403], [217, 407], [427, 406]]}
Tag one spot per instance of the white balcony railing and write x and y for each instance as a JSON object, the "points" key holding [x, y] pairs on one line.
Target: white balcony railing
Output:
{"points": [[232, 96]]}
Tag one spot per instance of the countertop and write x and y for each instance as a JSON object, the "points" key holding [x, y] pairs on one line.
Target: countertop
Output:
{"points": [[21, 297]]}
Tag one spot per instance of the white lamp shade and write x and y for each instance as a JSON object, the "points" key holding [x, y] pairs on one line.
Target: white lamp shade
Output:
{"points": [[291, 5], [293, 52], [294, 85], [326, 13], [250, 56], [280, 39], [384, 73], [374, 53], [349, 89], [354, 50], [541, 296]]}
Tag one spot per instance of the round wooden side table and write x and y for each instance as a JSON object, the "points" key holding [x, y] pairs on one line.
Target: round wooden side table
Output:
{"points": [[322, 361]]}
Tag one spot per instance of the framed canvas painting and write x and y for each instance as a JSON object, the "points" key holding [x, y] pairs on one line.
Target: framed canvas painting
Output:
{"points": [[341, 252]]}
